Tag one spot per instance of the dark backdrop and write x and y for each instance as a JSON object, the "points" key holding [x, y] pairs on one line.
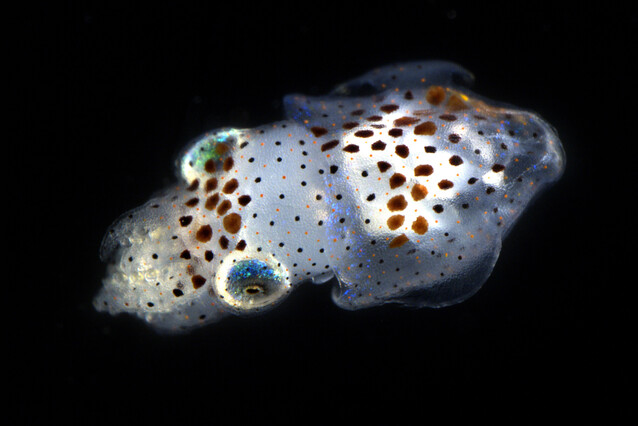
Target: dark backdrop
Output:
{"points": [[111, 93]]}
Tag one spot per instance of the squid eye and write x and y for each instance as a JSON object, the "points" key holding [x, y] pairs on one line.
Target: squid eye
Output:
{"points": [[252, 284]]}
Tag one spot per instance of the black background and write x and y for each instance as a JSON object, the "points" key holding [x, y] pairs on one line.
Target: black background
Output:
{"points": [[110, 94]]}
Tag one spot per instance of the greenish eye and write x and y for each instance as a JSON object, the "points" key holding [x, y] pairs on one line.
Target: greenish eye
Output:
{"points": [[253, 284]]}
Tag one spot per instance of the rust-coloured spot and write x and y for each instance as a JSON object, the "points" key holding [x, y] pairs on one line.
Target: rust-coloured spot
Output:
{"points": [[454, 138], [397, 180], [445, 184], [357, 112], [224, 207], [419, 192], [395, 221], [230, 186], [383, 166], [378, 146], [364, 133], [408, 95], [399, 241], [204, 234], [374, 118], [389, 108], [352, 148], [241, 245], [455, 160], [232, 223], [423, 170], [350, 125], [198, 281], [395, 133], [435, 95], [185, 220], [318, 131], [329, 145], [406, 121], [397, 203], [420, 225], [228, 164], [209, 166], [222, 148], [402, 151], [427, 129], [193, 186], [192, 202], [211, 185], [211, 202], [448, 117], [455, 103], [223, 242], [244, 200], [498, 168]]}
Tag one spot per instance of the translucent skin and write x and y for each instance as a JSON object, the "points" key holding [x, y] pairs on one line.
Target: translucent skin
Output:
{"points": [[401, 183]]}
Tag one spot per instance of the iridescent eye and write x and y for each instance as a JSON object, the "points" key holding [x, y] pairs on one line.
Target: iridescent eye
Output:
{"points": [[252, 284]]}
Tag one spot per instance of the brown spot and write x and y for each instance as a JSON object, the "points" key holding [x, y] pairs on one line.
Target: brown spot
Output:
{"points": [[211, 185], [329, 145], [397, 203], [420, 225], [378, 146], [454, 138], [408, 95], [397, 180], [374, 118], [244, 200], [230, 186], [455, 160], [364, 133], [498, 168], [456, 104], [208, 255], [406, 121], [211, 202], [438, 208], [318, 131], [395, 221], [352, 148], [185, 254], [222, 149], [198, 281], [430, 149], [241, 245], [224, 207], [490, 190], [204, 234], [383, 166], [399, 241], [435, 95], [192, 202], [350, 125], [448, 117], [427, 129], [402, 151], [193, 186], [232, 223], [389, 108], [395, 133], [223, 242], [445, 184], [357, 112], [185, 220], [209, 166], [423, 170], [419, 192], [228, 164]]}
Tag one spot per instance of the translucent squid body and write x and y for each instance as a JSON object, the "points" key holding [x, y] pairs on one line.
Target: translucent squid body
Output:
{"points": [[400, 183]]}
